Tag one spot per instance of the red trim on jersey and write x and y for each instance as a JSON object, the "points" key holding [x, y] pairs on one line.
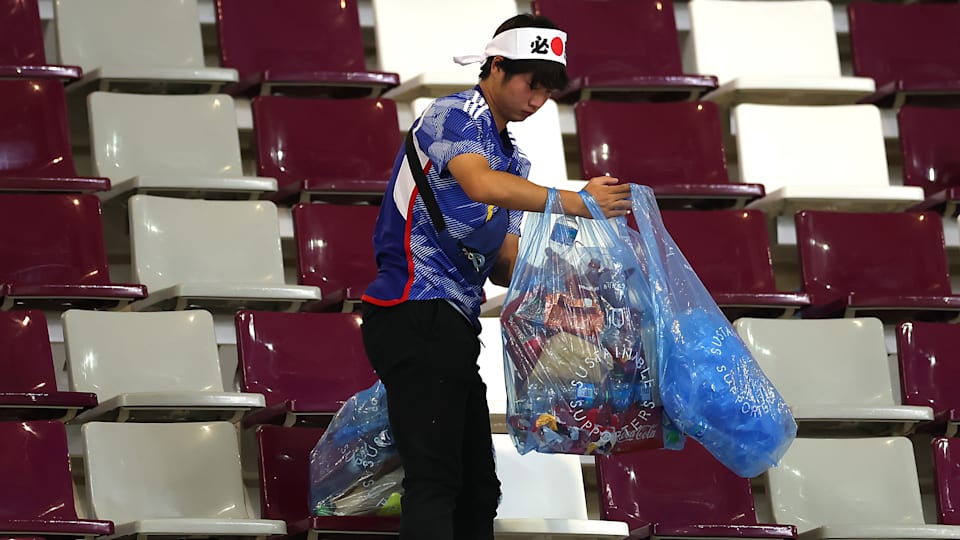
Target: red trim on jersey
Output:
{"points": [[408, 227]]}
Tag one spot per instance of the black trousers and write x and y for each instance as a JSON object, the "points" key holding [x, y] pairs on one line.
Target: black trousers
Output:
{"points": [[425, 353]]}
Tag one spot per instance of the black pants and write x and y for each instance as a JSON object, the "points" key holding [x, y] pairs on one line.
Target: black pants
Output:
{"points": [[425, 352]]}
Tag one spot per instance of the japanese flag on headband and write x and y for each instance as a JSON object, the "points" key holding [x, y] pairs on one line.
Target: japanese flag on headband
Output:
{"points": [[523, 44]]}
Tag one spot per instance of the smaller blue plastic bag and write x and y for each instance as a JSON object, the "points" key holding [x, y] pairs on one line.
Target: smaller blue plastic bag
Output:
{"points": [[711, 387], [354, 467]]}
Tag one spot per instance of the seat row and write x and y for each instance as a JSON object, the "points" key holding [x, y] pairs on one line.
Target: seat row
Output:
{"points": [[189, 146], [185, 479], [299, 368], [220, 254], [227, 254], [898, 50]]}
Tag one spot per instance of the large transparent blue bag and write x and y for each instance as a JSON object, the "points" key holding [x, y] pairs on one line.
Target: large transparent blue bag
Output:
{"points": [[354, 467], [579, 340], [711, 387]]}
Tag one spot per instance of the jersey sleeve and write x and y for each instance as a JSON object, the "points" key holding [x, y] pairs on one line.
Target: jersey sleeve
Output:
{"points": [[446, 133]]}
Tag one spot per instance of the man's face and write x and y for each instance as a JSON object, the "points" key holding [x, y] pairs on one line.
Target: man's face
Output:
{"points": [[516, 97]]}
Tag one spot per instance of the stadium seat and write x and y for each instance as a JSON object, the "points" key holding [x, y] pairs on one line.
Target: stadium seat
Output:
{"points": [[929, 148], [817, 158], [28, 385], [52, 254], [424, 60], [306, 365], [150, 367], [887, 265], [779, 52], [930, 372], [834, 373], [946, 470], [38, 495], [730, 252], [176, 479], [851, 488], [911, 51], [21, 45], [297, 47], [335, 251], [285, 489], [675, 148], [638, 57], [35, 151], [210, 254], [337, 150], [169, 145], [543, 497], [680, 494], [149, 46]]}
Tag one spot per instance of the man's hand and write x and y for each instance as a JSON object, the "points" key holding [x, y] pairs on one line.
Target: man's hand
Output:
{"points": [[613, 199]]}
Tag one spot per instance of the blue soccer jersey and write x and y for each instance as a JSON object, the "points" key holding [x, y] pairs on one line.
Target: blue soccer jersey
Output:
{"points": [[411, 265]]}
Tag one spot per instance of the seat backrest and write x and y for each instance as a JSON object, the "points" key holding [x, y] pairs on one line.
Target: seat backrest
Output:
{"points": [[846, 481], [35, 472], [798, 39], [112, 353], [297, 35], [64, 247], [137, 471], [876, 253], [652, 143], [325, 139], [26, 360], [776, 144], [35, 134], [686, 487], [178, 241], [541, 140], [929, 366], [823, 362], [145, 33], [284, 466], [639, 37], [929, 146], [892, 42], [335, 245], [530, 493], [21, 34], [946, 468], [446, 34], [728, 249], [315, 356], [144, 135]]}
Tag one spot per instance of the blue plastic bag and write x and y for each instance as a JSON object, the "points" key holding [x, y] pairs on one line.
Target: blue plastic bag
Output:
{"points": [[710, 385], [354, 467], [579, 340]]}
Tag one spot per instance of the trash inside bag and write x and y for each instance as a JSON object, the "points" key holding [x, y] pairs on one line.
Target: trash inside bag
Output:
{"points": [[354, 467]]}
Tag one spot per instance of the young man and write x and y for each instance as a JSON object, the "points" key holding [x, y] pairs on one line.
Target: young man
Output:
{"points": [[449, 220]]}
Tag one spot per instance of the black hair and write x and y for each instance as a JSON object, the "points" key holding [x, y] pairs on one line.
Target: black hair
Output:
{"points": [[546, 73]]}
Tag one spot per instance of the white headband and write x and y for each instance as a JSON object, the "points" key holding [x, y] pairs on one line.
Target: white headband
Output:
{"points": [[523, 44]]}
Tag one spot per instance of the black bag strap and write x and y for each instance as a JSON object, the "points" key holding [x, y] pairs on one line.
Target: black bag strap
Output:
{"points": [[423, 186]]}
